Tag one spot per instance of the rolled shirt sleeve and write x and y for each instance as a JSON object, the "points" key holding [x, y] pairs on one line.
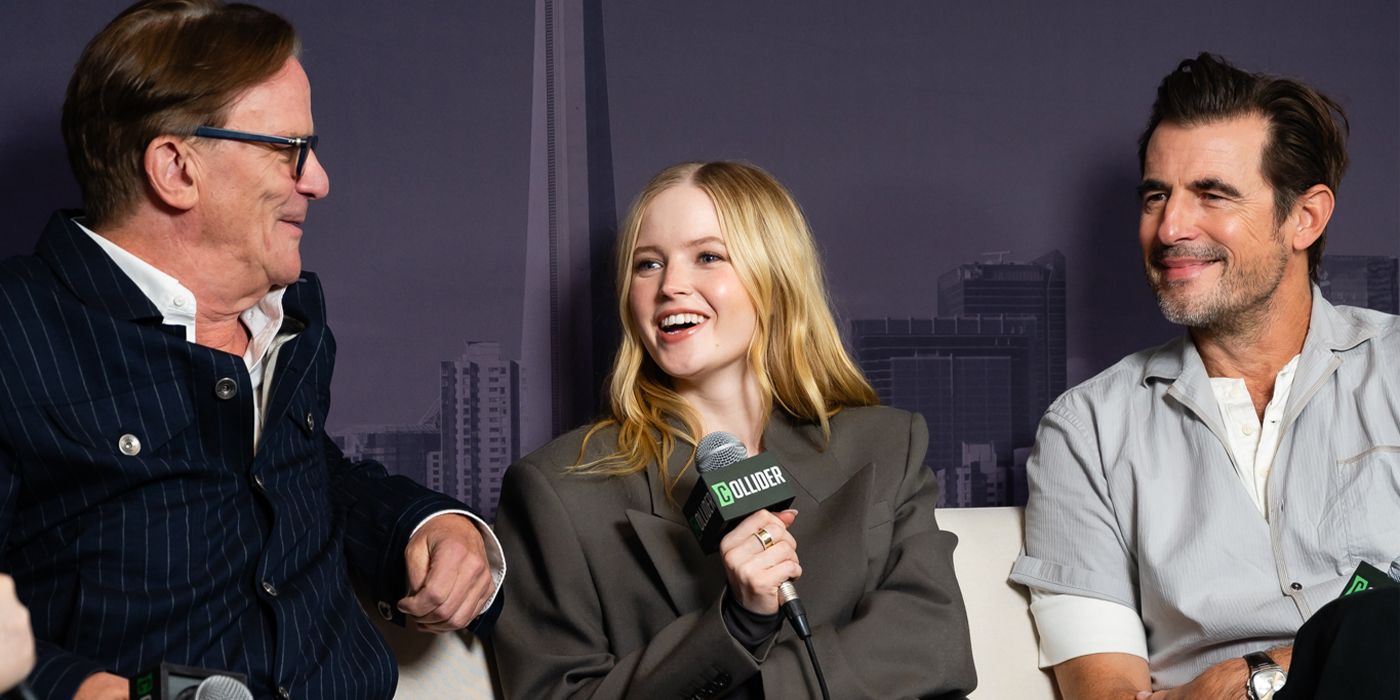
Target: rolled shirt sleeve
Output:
{"points": [[1074, 543], [1071, 626]]}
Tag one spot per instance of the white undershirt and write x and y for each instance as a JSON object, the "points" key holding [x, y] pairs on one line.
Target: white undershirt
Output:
{"points": [[177, 306], [1071, 626], [1252, 442]]}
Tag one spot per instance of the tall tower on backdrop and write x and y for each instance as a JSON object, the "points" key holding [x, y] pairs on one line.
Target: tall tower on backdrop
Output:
{"points": [[569, 325]]}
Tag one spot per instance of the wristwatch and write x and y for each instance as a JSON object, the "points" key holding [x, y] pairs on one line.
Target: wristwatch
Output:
{"points": [[1265, 676]]}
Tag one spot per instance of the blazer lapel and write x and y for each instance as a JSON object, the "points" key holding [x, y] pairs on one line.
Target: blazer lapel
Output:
{"points": [[801, 449], [298, 353], [690, 577], [87, 270], [833, 496]]}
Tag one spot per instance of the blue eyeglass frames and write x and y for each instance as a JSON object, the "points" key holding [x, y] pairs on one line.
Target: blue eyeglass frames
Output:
{"points": [[303, 144]]}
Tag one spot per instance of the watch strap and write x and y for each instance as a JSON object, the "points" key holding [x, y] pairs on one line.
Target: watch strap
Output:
{"points": [[1257, 661]]}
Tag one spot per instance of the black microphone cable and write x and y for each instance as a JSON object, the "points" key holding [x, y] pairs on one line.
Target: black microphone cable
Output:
{"points": [[797, 616]]}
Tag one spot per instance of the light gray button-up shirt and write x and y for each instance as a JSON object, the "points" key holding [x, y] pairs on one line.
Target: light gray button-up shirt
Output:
{"points": [[1135, 497]]}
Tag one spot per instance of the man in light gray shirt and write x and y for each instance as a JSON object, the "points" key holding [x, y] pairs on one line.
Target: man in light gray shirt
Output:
{"points": [[1193, 505]]}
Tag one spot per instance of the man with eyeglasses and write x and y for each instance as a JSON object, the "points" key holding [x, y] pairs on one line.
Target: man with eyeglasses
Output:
{"points": [[167, 489]]}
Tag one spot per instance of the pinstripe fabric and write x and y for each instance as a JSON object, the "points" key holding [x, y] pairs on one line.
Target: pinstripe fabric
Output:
{"points": [[1135, 498], [127, 560]]}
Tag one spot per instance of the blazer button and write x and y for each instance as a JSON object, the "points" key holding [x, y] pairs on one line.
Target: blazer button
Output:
{"points": [[129, 444], [271, 589], [258, 481], [283, 693], [310, 422], [226, 388], [385, 611]]}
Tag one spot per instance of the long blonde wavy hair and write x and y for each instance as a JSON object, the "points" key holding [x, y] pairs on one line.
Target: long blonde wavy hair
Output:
{"points": [[795, 352]]}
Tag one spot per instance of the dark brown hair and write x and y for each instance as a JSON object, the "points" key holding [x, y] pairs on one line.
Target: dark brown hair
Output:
{"points": [[160, 67], [1307, 129]]}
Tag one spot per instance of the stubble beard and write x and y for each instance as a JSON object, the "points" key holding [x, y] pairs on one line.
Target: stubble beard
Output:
{"points": [[1237, 304]]}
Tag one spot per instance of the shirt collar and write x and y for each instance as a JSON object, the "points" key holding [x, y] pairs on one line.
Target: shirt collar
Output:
{"points": [[173, 300], [263, 321], [1330, 329], [177, 304], [88, 272], [1338, 328]]}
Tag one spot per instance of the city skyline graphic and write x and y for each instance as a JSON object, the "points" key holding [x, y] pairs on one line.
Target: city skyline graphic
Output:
{"points": [[981, 371], [480, 155]]}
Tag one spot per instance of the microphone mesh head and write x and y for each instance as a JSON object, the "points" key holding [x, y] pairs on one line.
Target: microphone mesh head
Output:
{"points": [[222, 688], [719, 449]]}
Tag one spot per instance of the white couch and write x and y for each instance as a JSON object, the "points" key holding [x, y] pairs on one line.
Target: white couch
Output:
{"points": [[1003, 635], [1004, 643], [437, 666]]}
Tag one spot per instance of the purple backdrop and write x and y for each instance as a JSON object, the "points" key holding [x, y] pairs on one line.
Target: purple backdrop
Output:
{"points": [[916, 135]]}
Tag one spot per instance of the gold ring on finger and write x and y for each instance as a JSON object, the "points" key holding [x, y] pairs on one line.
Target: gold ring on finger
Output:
{"points": [[763, 537]]}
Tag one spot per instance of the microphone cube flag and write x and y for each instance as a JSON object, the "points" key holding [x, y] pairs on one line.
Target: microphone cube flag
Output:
{"points": [[722, 497], [175, 682]]}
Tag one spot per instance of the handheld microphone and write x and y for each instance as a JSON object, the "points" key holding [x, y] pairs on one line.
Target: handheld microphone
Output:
{"points": [[174, 682], [731, 486], [1367, 577]]}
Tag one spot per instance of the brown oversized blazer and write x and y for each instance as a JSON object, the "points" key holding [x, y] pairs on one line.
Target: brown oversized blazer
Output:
{"points": [[608, 595]]}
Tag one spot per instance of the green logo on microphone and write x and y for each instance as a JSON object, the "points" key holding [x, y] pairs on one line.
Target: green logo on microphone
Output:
{"points": [[722, 494], [1358, 584]]}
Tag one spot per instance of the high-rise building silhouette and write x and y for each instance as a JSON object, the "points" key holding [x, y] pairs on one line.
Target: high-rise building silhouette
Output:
{"points": [[1368, 281], [435, 478], [929, 387], [1036, 288], [480, 425], [982, 372], [568, 326], [970, 379], [980, 479]]}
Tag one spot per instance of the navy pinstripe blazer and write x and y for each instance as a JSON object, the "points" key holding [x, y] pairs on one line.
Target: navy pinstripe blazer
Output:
{"points": [[190, 549]]}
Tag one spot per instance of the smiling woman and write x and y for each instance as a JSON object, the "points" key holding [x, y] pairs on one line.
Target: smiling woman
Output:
{"points": [[688, 305], [726, 327], [730, 235]]}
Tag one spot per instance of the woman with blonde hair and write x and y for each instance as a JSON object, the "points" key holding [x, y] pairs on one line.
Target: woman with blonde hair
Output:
{"points": [[727, 327]]}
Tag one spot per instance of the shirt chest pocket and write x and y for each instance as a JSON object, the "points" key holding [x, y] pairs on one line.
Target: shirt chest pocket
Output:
{"points": [[292, 445], [303, 426], [1368, 495], [142, 423]]}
